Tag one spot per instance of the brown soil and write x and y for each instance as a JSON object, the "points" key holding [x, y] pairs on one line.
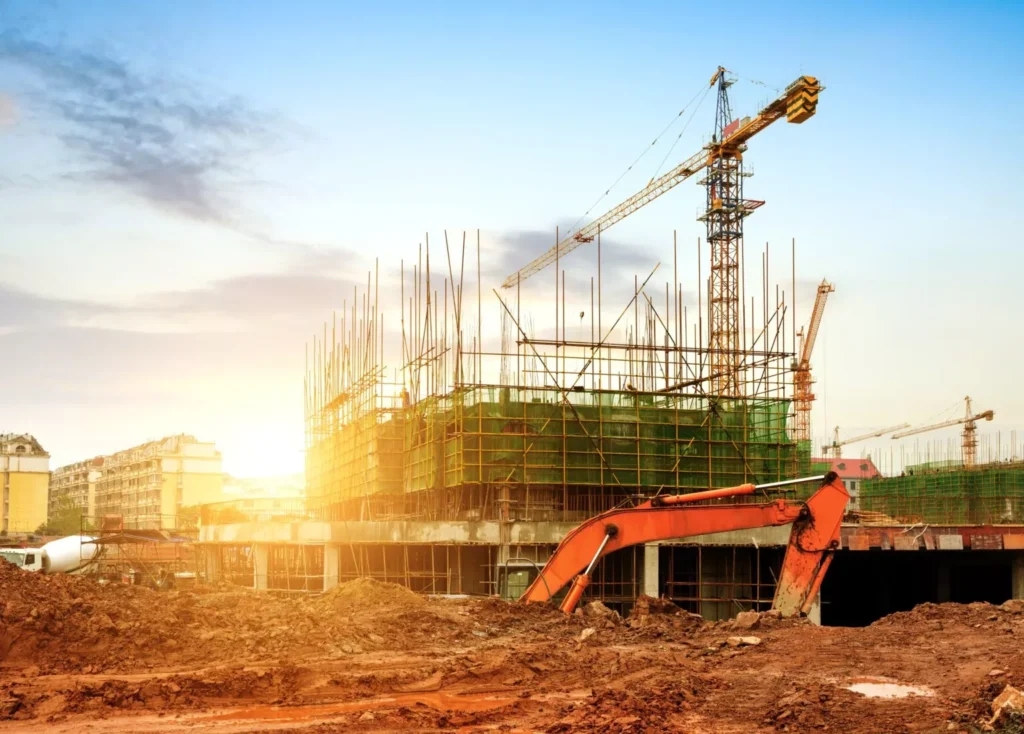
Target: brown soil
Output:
{"points": [[372, 657]]}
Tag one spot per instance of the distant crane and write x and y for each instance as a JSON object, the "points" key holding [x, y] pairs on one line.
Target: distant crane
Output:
{"points": [[969, 434], [722, 160], [802, 395], [832, 451]]}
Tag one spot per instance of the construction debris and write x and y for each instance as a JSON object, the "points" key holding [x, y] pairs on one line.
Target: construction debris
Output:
{"points": [[1009, 701], [747, 620]]}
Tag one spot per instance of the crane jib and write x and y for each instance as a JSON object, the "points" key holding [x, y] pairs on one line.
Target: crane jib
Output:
{"points": [[797, 103]]}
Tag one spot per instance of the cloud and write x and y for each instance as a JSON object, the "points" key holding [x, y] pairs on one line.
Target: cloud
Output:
{"points": [[314, 284], [8, 112], [20, 310], [515, 249], [171, 144], [301, 298]]}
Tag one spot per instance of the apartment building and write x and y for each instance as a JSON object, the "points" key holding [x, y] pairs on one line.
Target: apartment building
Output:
{"points": [[25, 475], [74, 486], [147, 484]]}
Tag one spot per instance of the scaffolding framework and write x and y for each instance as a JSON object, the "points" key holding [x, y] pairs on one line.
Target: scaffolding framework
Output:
{"points": [[139, 547], [984, 495], [555, 423]]}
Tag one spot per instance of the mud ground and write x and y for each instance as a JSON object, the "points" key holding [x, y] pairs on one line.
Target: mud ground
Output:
{"points": [[369, 657]]}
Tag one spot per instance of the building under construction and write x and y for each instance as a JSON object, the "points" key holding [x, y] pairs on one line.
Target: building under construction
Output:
{"points": [[460, 470], [563, 429], [452, 453]]}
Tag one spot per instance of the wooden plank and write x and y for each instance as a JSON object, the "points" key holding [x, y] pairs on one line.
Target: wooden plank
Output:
{"points": [[1013, 541], [986, 542], [950, 542], [907, 542], [860, 542]]}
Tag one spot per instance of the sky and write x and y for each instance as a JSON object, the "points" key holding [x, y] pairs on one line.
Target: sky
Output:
{"points": [[189, 189]]}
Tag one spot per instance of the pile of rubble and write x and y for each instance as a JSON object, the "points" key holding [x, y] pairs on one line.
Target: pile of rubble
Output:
{"points": [[66, 623]]}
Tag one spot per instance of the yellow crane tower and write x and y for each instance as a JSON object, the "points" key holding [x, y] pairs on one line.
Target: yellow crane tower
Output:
{"points": [[969, 434], [726, 208], [802, 395], [832, 450]]}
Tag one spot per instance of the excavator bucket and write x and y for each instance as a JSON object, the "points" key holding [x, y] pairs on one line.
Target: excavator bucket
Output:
{"points": [[812, 543]]}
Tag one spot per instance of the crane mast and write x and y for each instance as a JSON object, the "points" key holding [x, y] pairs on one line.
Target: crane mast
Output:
{"points": [[722, 159], [802, 395]]}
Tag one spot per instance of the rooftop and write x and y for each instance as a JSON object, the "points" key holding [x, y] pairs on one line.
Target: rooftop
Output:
{"points": [[21, 443], [851, 468]]}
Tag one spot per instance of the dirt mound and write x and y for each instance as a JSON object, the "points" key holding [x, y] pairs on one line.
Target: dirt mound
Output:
{"points": [[976, 613], [650, 605], [497, 616], [656, 618], [45, 616], [63, 623], [369, 592]]}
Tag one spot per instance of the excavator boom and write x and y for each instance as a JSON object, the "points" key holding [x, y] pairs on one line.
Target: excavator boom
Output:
{"points": [[815, 535]]}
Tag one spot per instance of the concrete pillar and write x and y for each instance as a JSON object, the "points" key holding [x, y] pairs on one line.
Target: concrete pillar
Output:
{"points": [[331, 562], [1017, 570], [260, 566], [814, 613], [651, 585], [942, 582], [214, 564]]}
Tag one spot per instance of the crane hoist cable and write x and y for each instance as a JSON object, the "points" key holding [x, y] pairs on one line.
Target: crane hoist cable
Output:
{"points": [[680, 135], [766, 85], [644, 152]]}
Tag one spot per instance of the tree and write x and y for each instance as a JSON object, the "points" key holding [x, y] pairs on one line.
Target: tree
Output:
{"points": [[66, 519], [188, 517]]}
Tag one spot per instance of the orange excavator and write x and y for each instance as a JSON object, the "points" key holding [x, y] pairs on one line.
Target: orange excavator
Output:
{"points": [[812, 542]]}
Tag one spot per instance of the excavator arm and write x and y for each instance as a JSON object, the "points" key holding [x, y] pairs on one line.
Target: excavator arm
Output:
{"points": [[814, 537]]}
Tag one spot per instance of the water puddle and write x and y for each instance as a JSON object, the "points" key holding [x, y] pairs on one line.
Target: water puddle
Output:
{"points": [[442, 701], [885, 688]]}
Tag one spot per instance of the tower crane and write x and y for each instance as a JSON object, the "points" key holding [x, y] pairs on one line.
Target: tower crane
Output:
{"points": [[969, 434], [832, 451], [722, 160], [802, 395]]}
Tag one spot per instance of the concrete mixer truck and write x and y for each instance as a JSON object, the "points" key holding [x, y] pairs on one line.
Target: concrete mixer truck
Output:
{"points": [[64, 555]]}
